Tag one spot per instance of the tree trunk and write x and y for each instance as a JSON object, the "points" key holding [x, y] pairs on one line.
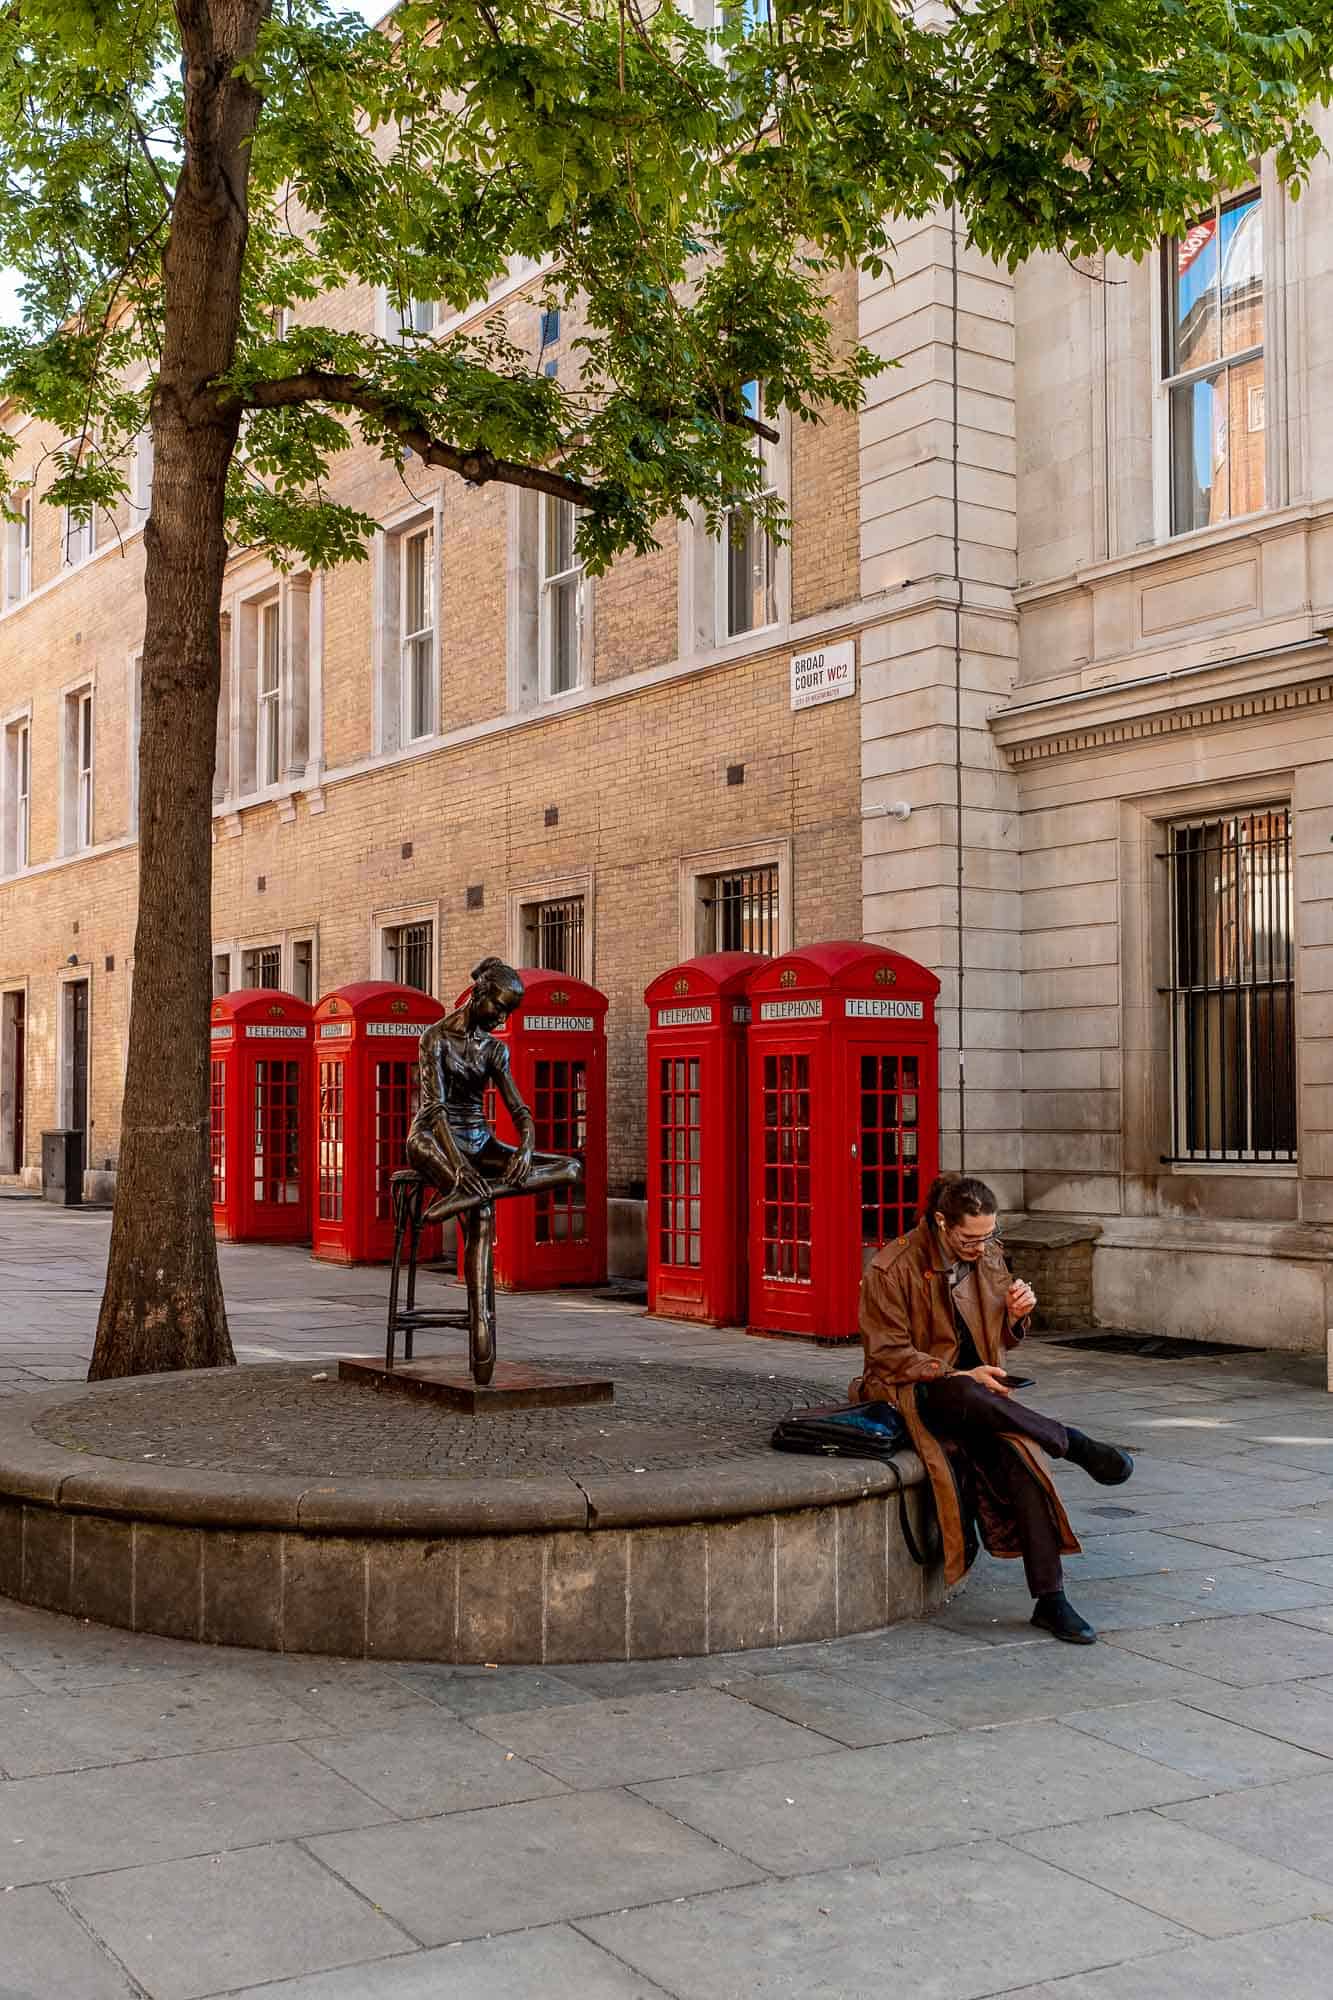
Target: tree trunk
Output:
{"points": [[163, 1307]]}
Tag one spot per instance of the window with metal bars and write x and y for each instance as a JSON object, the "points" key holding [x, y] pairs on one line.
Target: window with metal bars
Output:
{"points": [[741, 910], [262, 966], [303, 968], [553, 935], [1231, 991], [409, 954]]}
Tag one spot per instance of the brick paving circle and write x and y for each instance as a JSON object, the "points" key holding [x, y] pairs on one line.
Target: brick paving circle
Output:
{"points": [[300, 1421]]}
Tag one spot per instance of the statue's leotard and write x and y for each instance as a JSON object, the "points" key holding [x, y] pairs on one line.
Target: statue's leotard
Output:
{"points": [[457, 1069]]}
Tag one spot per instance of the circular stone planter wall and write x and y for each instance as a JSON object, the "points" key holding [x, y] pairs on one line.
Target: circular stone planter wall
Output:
{"points": [[714, 1550]]}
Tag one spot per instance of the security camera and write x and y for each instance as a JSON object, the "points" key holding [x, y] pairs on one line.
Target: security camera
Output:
{"points": [[898, 810]]}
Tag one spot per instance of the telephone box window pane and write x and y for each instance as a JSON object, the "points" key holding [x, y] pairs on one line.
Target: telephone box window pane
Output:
{"points": [[217, 1130], [277, 1112], [331, 1141], [681, 1229], [888, 1146], [786, 1118], [560, 1113], [397, 1094]]}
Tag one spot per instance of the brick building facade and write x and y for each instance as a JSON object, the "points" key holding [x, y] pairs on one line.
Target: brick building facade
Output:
{"points": [[449, 750], [1081, 536]]}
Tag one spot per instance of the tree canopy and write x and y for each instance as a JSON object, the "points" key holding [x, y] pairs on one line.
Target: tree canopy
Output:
{"points": [[193, 188], [691, 187]]}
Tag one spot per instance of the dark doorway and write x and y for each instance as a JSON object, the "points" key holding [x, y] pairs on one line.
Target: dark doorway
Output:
{"points": [[76, 1055], [11, 1082]]}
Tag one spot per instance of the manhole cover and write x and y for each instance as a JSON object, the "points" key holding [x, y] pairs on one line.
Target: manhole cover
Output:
{"points": [[1154, 1347], [1114, 1513]]}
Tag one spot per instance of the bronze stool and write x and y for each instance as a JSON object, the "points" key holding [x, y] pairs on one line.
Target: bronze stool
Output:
{"points": [[407, 1191]]}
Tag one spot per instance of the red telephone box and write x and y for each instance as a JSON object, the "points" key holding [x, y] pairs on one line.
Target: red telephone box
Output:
{"points": [[557, 1058], [698, 1015], [259, 1111], [844, 1126], [368, 1086]]}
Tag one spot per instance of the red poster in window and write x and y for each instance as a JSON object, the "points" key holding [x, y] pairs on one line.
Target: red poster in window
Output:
{"points": [[1193, 243]]}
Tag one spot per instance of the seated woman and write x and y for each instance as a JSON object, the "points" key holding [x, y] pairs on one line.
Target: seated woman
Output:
{"points": [[454, 1149], [939, 1309]]}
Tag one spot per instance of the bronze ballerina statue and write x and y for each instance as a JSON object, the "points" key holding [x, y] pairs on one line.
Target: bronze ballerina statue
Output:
{"points": [[454, 1150]]}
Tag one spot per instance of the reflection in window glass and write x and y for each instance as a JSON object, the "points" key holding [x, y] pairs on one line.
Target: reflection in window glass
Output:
{"points": [[1214, 366]]}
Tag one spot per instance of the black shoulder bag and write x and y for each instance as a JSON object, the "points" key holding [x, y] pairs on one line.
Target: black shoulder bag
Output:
{"points": [[856, 1430]]}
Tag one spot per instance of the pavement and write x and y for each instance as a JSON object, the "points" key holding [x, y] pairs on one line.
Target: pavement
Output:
{"points": [[945, 1810]]}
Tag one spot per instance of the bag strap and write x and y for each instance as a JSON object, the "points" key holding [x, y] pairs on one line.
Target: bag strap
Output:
{"points": [[913, 1547]]}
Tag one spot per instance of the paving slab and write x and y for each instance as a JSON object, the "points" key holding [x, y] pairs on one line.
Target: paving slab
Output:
{"points": [[467, 1874], [1110, 1603], [174, 1806], [346, 1696], [45, 1953], [948, 1926], [603, 1677], [494, 1691], [1242, 1651], [436, 1766], [837, 1704], [203, 1926], [527, 1965], [1224, 1755], [1287, 1964], [1289, 1823], [1299, 1712], [1275, 1538], [1189, 1877], [1146, 1552], [1243, 1587], [867, 1805], [1318, 1618], [650, 1736], [1042, 1679], [45, 1733], [1308, 1569]]}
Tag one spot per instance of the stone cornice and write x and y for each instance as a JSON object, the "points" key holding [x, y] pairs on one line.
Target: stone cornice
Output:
{"points": [[1295, 679]]}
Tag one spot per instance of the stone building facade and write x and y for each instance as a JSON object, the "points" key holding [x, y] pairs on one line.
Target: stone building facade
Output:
{"points": [[1081, 538]]}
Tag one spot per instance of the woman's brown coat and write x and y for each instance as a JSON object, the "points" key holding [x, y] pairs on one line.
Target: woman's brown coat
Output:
{"points": [[907, 1332]]}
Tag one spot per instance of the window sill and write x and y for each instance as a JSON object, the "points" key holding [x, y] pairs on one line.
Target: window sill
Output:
{"points": [[1283, 1170], [1199, 541], [117, 547]]}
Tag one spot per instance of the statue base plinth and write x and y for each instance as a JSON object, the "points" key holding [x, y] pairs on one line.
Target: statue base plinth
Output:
{"points": [[513, 1386]]}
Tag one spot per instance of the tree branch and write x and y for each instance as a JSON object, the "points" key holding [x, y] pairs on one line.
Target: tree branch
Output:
{"points": [[477, 466]]}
